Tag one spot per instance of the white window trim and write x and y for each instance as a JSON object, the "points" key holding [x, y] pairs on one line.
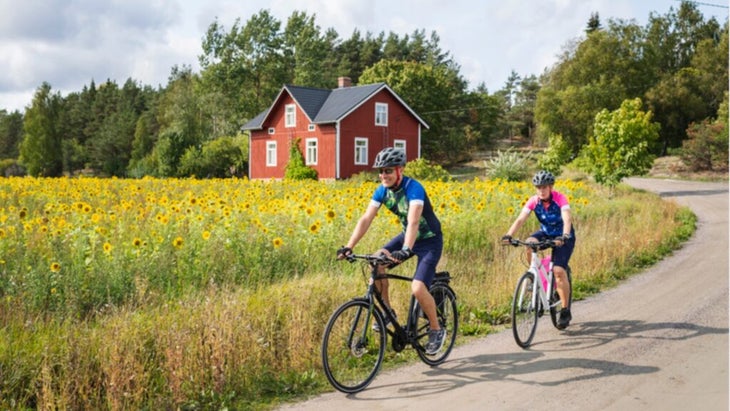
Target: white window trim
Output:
{"points": [[272, 130], [312, 152], [397, 143], [290, 115], [363, 148], [271, 154], [311, 127], [384, 112]]}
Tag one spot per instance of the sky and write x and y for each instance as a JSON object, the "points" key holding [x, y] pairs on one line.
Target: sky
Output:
{"points": [[69, 43]]}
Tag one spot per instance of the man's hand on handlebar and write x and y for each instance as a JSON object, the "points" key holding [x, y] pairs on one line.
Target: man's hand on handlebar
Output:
{"points": [[343, 252]]}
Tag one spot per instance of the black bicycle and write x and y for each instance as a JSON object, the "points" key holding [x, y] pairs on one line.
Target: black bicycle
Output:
{"points": [[352, 351]]}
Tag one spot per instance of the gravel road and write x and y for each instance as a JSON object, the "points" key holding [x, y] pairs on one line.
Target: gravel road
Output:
{"points": [[658, 341]]}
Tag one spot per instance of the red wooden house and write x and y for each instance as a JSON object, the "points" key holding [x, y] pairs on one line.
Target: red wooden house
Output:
{"points": [[339, 131]]}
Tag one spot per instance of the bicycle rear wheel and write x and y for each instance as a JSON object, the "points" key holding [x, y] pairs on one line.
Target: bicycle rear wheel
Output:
{"points": [[351, 351], [524, 313], [555, 304], [448, 318]]}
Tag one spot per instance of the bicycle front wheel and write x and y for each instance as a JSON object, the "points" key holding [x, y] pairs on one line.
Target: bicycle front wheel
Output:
{"points": [[524, 312], [448, 318], [351, 351]]}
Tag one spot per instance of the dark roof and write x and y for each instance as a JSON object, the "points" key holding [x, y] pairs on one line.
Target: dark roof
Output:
{"points": [[326, 106]]}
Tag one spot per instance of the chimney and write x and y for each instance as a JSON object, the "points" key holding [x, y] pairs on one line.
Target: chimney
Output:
{"points": [[343, 82]]}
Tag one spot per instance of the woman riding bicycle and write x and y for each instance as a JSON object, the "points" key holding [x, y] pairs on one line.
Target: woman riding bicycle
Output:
{"points": [[553, 212], [421, 235]]}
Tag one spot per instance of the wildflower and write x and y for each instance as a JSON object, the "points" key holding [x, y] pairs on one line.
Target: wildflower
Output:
{"points": [[55, 267], [314, 228], [177, 242], [137, 242], [206, 235], [278, 242], [107, 248], [330, 215], [510, 210]]}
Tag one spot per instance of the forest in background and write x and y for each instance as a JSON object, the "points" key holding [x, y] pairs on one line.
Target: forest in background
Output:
{"points": [[677, 65]]}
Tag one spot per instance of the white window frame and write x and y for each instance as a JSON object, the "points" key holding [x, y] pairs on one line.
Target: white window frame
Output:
{"points": [[272, 130], [311, 127], [361, 151], [312, 150], [397, 143], [290, 115], [271, 154], [381, 114]]}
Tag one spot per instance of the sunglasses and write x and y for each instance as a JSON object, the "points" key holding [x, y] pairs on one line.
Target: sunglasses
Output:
{"points": [[386, 171]]}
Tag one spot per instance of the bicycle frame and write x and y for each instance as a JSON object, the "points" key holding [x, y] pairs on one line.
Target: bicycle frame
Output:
{"points": [[538, 271], [401, 334]]}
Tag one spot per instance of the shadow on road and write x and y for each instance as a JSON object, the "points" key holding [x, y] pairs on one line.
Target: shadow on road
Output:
{"points": [[531, 368]]}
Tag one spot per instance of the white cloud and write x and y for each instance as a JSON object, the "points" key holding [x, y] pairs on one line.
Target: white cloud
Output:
{"points": [[67, 43]]}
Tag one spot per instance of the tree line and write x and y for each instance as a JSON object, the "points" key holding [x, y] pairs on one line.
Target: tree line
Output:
{"points": [[676, 65]]}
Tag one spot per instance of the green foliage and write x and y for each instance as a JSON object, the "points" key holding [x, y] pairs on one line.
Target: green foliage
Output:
{"points": [[707, 146], [422, 169], [508, 165], [10, 168], [11, 133], [222, 157], [295, 168], [621, 143], [40, 150], [677, 64], [557, 154]]}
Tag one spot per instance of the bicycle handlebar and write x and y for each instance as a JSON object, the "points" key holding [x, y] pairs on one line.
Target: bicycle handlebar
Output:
{"points": [[540, 245], [373, 259]]}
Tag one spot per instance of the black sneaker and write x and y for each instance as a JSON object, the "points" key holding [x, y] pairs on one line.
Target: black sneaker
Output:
{"points": [[386, 321], [564, 319], [435, 341]]}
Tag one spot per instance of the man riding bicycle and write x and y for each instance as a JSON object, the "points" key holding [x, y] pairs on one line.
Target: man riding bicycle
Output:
{"points": [[421, 236], [553, 212]]}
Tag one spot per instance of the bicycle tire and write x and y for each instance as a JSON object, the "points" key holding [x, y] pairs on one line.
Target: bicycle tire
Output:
{"points": [[555, 309], [524, 315], [351, 363], [448, 315]]}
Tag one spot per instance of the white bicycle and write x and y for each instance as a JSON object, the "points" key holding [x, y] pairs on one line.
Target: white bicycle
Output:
{"points": [[536, 291]]}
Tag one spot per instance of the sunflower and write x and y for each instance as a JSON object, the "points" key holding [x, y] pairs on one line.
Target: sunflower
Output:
{"points": [[107, 248], [206, 235], [314, 228], [177, 242], [278, 242], [55, 267], [137, 242]]}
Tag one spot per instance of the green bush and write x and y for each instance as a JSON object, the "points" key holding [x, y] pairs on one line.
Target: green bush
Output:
{"points": [[295, 168], [422, 169], [509, 165], [557, 154], [222, 157], [10, 168]]}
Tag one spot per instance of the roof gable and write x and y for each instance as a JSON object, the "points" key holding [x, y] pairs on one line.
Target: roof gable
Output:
{"points": [[323, 106]]}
